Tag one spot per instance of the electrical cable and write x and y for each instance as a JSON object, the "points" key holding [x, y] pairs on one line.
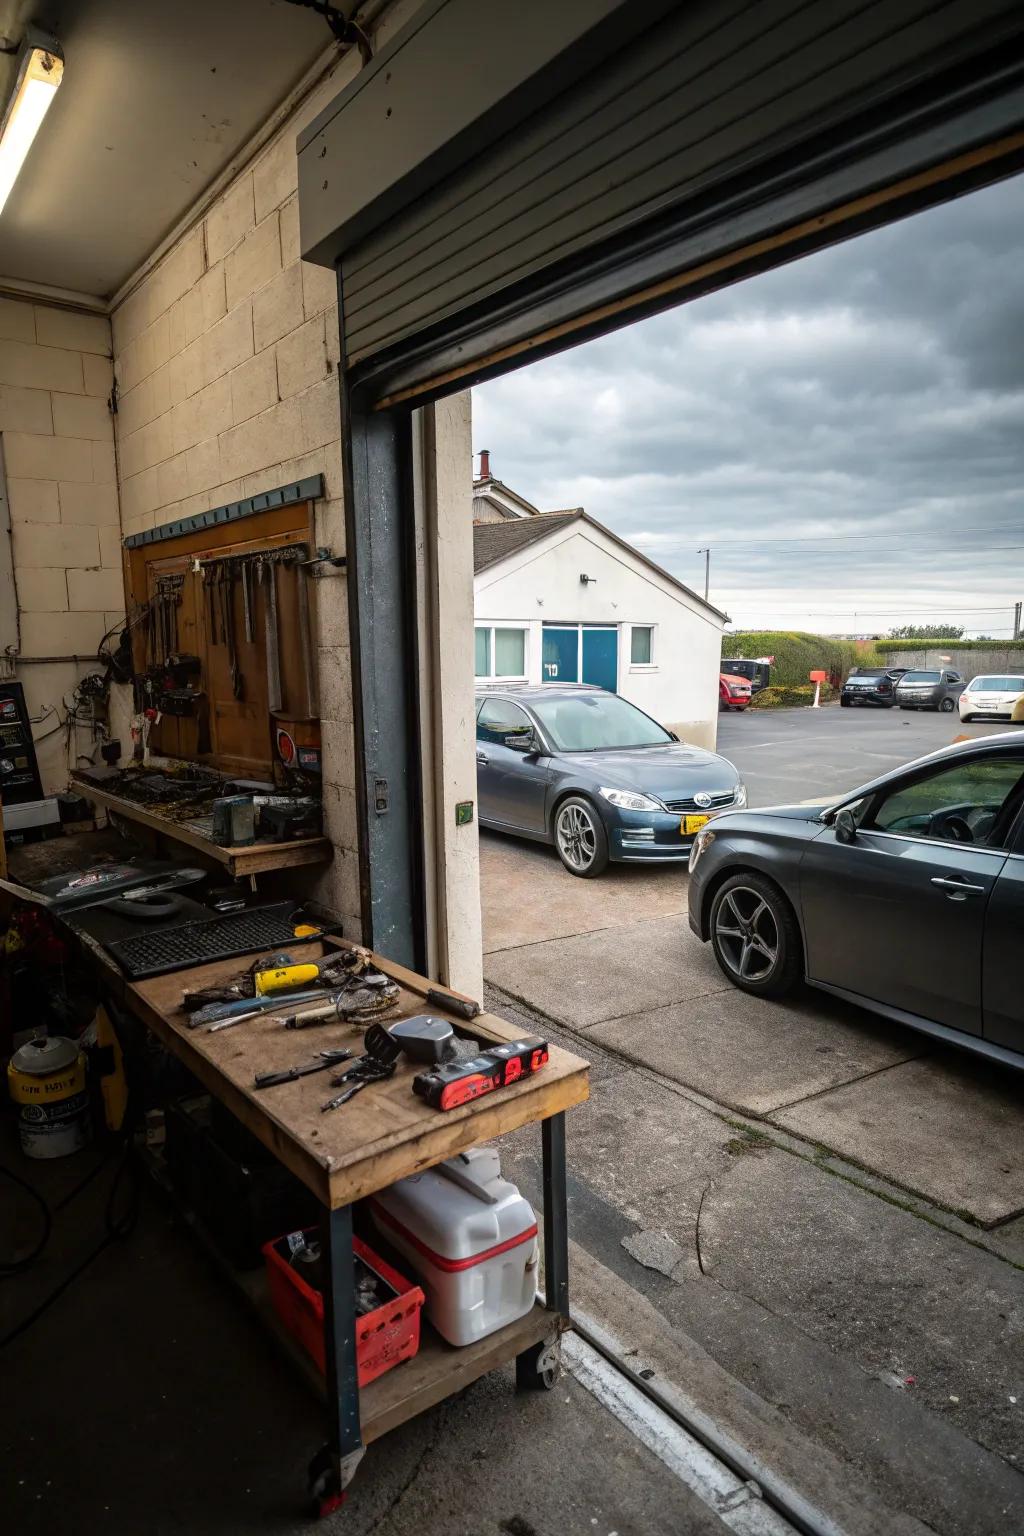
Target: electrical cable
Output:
{"points": [[116, 1229]]}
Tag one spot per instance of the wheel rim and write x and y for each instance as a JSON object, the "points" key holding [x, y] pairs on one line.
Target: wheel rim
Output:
{"points": [[577, 836], [947, 706], [747, 934]]}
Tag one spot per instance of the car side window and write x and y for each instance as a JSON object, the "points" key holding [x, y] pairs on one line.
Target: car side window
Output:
{"points": [[503, 723], [972, 802]]}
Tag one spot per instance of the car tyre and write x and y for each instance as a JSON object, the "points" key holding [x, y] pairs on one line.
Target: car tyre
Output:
{"points": [[581, 841], [844, 703], [755, 936], [946, 706]]}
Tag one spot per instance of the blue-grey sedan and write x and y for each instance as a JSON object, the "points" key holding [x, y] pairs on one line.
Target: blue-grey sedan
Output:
{"points": [[592, 774]]}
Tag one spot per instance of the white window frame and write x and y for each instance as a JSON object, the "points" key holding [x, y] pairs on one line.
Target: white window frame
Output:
{"points": [[490, 676], [644, 666]]}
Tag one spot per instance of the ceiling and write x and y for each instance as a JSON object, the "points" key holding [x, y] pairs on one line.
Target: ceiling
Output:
{"points": [[157, 97]]}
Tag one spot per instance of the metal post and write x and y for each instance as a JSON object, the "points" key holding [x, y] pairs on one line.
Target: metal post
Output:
{"points": [[1016, 621], [706, 552], [379, 545], [342, 1380], [556, 1217]]}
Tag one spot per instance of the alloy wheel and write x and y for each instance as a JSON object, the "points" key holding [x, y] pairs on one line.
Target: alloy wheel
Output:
{"points": [[747, 933], [577, 836]]}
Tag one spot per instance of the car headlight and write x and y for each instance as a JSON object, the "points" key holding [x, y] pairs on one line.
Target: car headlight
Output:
{"points": [[630, 800], [739, 799], [705, 837]]}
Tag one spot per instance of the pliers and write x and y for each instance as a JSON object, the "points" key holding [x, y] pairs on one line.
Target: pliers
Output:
{"points": [[320, 1063]]}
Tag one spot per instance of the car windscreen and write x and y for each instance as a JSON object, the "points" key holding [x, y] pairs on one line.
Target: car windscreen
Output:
{"points": [[596, 722], [997, 685], [921, 677]]}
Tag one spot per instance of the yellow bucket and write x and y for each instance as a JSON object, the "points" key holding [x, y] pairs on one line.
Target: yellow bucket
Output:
{"points": [[46, 1080]]}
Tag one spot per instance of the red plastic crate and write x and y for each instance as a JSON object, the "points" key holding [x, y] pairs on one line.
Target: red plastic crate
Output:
{"points": [[384, 1337]]}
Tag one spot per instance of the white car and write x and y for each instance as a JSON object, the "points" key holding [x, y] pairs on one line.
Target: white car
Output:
{"points": [[992, 695]]}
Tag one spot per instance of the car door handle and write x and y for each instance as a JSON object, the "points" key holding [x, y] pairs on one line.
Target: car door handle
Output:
{"points": [[958, 887], [482, 758]]}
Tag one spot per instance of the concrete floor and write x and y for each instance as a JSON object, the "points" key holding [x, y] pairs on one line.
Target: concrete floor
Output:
{"points": [[829, 1205], [148, 1399]]}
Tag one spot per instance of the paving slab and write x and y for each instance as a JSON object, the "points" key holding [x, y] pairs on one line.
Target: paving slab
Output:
{"points": [[528, 896], [757, 1055], [604, 975], [945, 1126], [926, 1314]]}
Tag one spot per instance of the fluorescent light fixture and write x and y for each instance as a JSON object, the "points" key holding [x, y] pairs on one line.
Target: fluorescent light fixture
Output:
{"points": [[39, 74]]}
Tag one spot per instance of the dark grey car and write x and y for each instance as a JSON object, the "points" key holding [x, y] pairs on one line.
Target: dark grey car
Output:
{"points": [[930, 688], [589, 772], [906, 897]]}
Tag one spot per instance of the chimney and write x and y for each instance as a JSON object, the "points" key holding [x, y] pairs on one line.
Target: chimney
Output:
{"points": [[485, 464]]}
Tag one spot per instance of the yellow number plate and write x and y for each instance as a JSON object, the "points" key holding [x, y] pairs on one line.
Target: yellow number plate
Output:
{"points": [[693, 824]]}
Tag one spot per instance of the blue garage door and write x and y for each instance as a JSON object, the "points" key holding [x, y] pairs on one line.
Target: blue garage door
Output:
{"points": [[581, 653], [560, 659], [601, 657]]}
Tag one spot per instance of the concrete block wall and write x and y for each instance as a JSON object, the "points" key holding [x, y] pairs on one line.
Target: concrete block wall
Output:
{"points": [[58, 454], [226, 357]]}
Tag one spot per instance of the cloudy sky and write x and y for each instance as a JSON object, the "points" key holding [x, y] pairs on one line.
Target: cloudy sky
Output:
{"points": [[876, 389]]}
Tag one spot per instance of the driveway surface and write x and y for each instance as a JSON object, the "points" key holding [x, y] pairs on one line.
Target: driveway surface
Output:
{"points": [[797, 754], [830, 1205]]}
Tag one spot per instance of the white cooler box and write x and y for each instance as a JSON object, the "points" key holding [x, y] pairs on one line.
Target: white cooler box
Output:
{"points": [[471, 1239]]}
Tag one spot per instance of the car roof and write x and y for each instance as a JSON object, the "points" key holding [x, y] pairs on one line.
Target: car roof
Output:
{"points": [[529, 691]]}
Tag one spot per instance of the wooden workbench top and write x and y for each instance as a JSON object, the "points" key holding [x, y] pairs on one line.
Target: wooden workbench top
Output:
{"points": [[383, 1134]]}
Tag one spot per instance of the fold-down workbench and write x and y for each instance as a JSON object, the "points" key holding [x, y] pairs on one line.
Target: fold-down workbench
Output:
{"points": [[383, 1134]]}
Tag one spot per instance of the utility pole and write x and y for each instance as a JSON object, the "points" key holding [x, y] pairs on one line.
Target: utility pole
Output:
{"points": [[707, 574], [1016, 621]]}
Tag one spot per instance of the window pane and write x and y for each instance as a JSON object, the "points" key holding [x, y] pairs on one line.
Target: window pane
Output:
{"points": [[483, 647], [510, 653], [972, 793], [640, 645], [502, 723]]}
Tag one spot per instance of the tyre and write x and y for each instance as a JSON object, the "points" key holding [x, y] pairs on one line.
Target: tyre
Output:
{"points": [[965, 719], [581, 841], [946, 706], [755, 936], [844, 703]]}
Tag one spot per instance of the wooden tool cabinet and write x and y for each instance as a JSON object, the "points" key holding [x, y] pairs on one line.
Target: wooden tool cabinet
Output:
{"points": [[385, 1133]]}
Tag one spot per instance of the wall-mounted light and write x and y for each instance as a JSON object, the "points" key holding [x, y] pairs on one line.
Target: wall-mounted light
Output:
{"points": [[40, 71]]}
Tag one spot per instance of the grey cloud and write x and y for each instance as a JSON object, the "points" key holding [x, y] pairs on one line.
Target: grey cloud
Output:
{"points": [[877, 386]]}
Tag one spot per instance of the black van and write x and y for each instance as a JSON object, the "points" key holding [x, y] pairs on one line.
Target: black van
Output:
{"points": [[757, 673]]}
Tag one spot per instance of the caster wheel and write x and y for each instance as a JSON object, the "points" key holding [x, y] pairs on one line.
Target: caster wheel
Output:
{"points": [[322, 1486], [538, 1369]]}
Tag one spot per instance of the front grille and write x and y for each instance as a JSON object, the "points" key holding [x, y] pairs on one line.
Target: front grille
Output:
{"points": [[718, 803]]}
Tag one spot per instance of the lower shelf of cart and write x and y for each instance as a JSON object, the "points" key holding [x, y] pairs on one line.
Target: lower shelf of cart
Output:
{"points": [[437, 1371]]}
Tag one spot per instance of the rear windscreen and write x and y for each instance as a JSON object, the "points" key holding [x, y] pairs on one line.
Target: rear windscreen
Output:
{"points": [[998, 685], [921, 677]]}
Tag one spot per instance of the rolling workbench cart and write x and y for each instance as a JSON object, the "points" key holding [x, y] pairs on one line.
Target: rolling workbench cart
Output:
{"points": [[384, 1134]]}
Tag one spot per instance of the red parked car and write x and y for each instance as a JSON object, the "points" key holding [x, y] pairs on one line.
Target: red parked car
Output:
{"points": [[733, 692]]}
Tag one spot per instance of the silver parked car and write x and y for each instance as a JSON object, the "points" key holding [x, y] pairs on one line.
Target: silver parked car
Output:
{"points": [[936, 689]]}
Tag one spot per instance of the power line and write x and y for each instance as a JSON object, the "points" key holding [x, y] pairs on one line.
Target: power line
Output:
{"points": [[834, 538]]}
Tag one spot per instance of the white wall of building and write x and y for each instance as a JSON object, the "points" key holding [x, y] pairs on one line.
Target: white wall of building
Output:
{"points": [[541, 584]]}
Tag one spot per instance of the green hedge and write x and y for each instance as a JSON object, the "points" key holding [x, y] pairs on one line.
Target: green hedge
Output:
{"points": [[798, 653], [891, 647], [789, 698]]}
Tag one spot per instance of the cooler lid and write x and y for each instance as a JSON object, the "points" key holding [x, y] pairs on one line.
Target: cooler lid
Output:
{"points": [[47, 1053]]}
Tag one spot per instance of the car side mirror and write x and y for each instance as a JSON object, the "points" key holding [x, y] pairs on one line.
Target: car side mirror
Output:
{"points": [[845, 826], [526, 744]]}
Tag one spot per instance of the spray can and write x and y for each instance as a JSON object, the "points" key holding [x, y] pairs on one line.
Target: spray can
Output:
{"points": [[46, 1080]]}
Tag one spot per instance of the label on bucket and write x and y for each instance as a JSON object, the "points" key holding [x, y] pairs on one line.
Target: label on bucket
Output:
{"points": [[54, 1129]]}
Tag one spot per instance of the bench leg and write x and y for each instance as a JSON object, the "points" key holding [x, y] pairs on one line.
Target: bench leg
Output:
{"points": [[556, 1217], [334, 1468]]}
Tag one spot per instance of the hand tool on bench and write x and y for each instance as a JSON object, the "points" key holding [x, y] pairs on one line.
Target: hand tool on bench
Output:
{"points": [[320, 1063], [452, 1084], [382, 1053], [216, 1013], [463, 1007], [268, 579]]}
